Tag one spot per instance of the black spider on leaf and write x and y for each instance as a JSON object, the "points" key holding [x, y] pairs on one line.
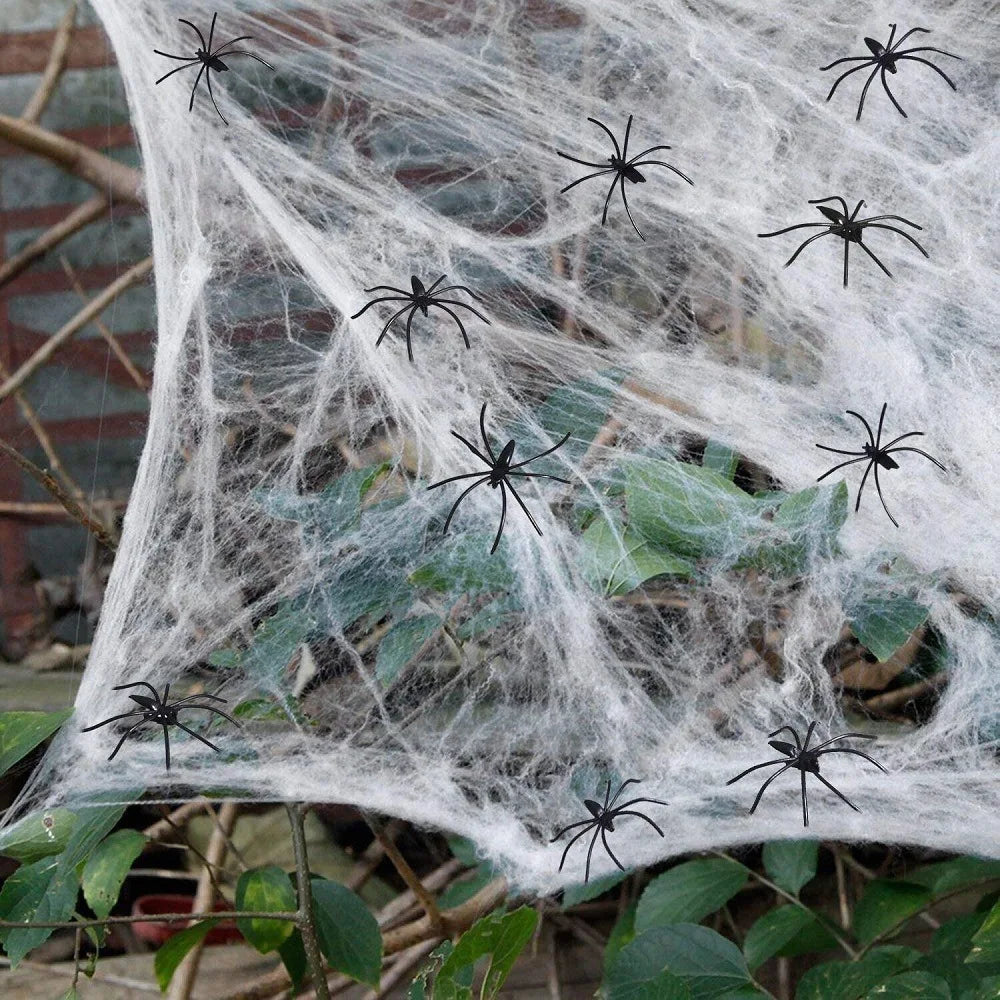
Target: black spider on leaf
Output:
{"points": [[884, 59], [210, 60], [162, 712], [500, 471], [603, 823], [421, 298], [876, 454], [849, 228], [623, 168], [805, 760]]}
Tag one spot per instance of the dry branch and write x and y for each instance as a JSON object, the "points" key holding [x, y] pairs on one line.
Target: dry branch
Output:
{"points": [[53, 70]]}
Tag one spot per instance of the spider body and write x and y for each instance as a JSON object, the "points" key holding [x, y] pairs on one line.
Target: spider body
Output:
{"points": [[849, 228], [421, 298], [161, 712], [211, 60], [603, 823], [500, 471], [623, 168], [805, 760], [878, 456], [884, 59]]}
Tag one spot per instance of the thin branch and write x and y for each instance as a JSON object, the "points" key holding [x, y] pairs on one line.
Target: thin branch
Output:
{"points": [[118, 180], [46, 480], [402, 967], [163, 827], [371, 858], [18, 508], [306, 919], [900, 696], [158, 918], [140, 380], [53, 70], [96, 306], [81, 216]]}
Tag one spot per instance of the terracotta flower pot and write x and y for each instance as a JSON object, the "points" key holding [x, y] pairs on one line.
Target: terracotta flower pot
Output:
{"points": [[156, 932]]}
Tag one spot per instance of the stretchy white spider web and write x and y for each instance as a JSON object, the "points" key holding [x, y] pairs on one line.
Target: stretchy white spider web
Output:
{"points": [[414, 674]]}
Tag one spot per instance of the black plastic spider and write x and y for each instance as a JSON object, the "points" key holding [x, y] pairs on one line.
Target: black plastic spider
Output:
{"points": [[877, 455], [622, 168], [603, 822], [420, 298], [500, 471], [806, 760], [209, 59], [163, 713], [849, 229], [884, 58]]}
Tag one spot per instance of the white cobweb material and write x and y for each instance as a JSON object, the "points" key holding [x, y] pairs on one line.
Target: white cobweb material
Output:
{"points": [[397, 139]]}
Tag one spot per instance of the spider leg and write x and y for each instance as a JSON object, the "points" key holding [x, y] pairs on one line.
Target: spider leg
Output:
{"points": [[843, 736], [459, 500], [191, 732], [572, 826], [924, 48], [589, 823], [389, 288], [892, 35], [836, 197], [795, 735], [232, 41], [621, 788], [135, 684], [898, 218], [893, 229], [661, 163], [170, 55], [590, 851], [201, 37], [585, 163], [874, 258], [767, 763], [464, 288], [455, 302], [864, 92], [486, 440], [840, 451], [125, 736], [621, 181], [812, 239], [539, 475], [902, 38], [801, 225], [503, 518], [475, 451], [611, 134], [631, 812], [805, 801], [847, 258], [607, 201], [937, 70], [243, 52], [885, 87], [842, 464], [607, 796], [763, 787], [878, 489], [857, 208], [210, 697], [409, 345], [809, 732], [861, 488], [114, 718], [857, 753], [878, 433], [194, 89], [628, 129], [384, 298], [632, 802], [392, 319], [542, 454], [452, 479], [846, 59], [919, 452], [177, 70], [216, 711], [645, 152], [839, 794], [525, 509], [871, 436], [166, 744], [607, 847], [211, 32], [853, 69], [208, 80]]}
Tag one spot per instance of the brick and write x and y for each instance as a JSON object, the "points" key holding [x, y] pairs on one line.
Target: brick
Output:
{"points": [[58, 392], [133, 312], [127, 238], [27, 181]]}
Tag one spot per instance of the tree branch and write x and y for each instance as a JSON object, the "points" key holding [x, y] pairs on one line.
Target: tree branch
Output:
{"points": [[306, 918], [53, 70]]}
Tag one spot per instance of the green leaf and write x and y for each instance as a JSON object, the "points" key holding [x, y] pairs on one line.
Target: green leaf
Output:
{"points": [[419, 986], [265, 890], [707, 964], [621, 934], [106, 868], [498, 612], [987, 989], [775, 929], [852, 980], [986, 941], [887, 904], [791, 864], [720, 458], [502, 937], [911, 986], [38, 835], [956, 873], [583, 891], [689, 892], [686, 509], [465, 565], [804, 526], [401, 643], [21, 732], [618, 561], [349, 936], [466, 887], [883, 624], [293, 957], [70, 994], [171, 953]]}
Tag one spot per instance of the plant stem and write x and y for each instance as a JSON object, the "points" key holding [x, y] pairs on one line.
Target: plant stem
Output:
{"points": [[306, 918], [156, 918]]}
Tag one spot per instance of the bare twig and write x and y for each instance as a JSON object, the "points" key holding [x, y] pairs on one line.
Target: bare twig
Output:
{"points": [[159, 918], [53, 70], [163, 827], [94, 308], [900, 696], [404, 964], [371, 858], [306, 918], [16, 508]]}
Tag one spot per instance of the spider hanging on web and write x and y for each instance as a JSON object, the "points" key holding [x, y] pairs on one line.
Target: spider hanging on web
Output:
{"points": [[876, 454], [162, 712], [884, 59], [500, 471], [421, 298], [805, 760], [623, 169], [211, 60], [849, 228], [603, 823]]}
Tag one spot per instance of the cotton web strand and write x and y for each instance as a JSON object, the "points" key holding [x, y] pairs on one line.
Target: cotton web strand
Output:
{"points": [[282, 550]]}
